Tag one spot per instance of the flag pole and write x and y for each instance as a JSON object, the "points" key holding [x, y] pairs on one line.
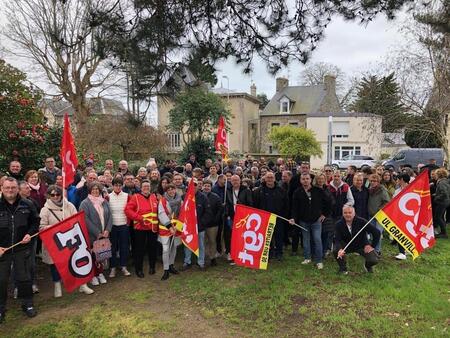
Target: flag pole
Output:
{"points": [[368, 222], [291, 223]]}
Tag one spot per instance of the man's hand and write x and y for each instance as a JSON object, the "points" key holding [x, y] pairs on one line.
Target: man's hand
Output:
{"points": [[368, 248], [2, 251], [26, 239], [321, 218], [291, 221], [341, 253], [105, 234], [172, 230]]}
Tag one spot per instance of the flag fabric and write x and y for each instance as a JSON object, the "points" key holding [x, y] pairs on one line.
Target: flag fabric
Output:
{"points": [[68, 154], [188, 219], [221, 143], [408, 217], [251, 235], [68, 245]]}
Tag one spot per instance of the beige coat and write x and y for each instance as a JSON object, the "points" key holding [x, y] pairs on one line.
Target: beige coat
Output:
{"points": [[48, 219]]}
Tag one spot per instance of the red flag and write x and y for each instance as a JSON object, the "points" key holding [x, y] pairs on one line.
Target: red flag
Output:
{"points": [[251, 236], [408, 216], [188, 217], [68, 245], [68, 154], [221, 143]]}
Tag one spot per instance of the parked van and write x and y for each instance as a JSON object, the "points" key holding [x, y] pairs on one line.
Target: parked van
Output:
{"points": [[413, 157]]}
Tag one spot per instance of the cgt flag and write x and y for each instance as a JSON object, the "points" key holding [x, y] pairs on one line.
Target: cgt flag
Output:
{"points": [[68, 154], [188, 219], [408, 216], [221, 142], [67, 244], [251, 236]]}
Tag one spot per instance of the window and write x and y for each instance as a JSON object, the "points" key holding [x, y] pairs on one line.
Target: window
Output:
{"points": [[293, 124], [399, 156], [274, 124], [341, 129], [347, 152], [175, 141], [284, 105]]}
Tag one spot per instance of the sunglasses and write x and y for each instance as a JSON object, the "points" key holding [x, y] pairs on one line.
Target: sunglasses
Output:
{"points": [[55, 195]]}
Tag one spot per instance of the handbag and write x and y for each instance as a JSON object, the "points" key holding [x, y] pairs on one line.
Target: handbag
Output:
{"points": [[102, 249]]}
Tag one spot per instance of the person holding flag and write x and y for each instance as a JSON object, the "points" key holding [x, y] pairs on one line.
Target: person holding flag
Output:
{"points": [[351, 236], [19, 221]]}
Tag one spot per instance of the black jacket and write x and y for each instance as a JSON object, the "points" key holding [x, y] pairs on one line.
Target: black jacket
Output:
{"points": [[361, 198], [244, 197], [343, 236], [308, 209], [16, 221], [201, 203], [274, 200], [214, 211]]}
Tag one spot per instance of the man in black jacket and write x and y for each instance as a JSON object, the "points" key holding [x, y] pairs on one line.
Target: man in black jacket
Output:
{"points": [[18, 221], [212, 225], [346, 229], [308, 209], [203, 214], [236, 194], [272, 198]]}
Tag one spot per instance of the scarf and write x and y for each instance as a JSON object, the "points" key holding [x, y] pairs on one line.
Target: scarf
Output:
{"points": [[174, 203], [35, 187], [58, 204], [98, 205]]}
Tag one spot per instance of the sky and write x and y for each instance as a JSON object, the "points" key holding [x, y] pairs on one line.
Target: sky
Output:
{"points": [[352, 47]]}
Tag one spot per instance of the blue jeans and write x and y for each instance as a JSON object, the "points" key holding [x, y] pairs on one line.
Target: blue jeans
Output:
{"points": [[314, 230], [381, 229], [120, 243], [201, 251]]}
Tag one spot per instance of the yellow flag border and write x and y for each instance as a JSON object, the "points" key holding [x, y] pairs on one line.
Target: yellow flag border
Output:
{"points": [[381, 218], [264, 260]]}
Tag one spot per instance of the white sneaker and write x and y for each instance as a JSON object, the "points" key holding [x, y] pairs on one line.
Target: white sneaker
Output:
{"points": [[228, 257], [35, 288], [94, 281], [319, 266], [125, 272], [112, 274], [102, 279], [86, 289], [15, 293], [306, 261], [58, 290], [400, 257]]}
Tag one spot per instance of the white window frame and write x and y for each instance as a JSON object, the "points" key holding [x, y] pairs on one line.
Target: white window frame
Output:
{"points": [[341, 151], [175, 141], [286, 101]]}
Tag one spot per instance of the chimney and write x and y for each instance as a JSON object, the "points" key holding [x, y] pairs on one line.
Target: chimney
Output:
{"points": [[253, 90], [330, 83], [281, 83]]}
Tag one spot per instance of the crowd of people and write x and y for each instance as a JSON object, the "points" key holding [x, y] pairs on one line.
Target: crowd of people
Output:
{"points": [[138, 212]]}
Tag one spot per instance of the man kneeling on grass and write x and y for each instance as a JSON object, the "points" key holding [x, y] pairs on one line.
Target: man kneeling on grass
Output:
{"points": [[347, 228]]}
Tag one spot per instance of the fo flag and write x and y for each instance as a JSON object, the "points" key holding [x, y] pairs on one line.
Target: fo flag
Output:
{"points": [[67, 244], [221, 143], [68, 154], [188, 219], [408, 216], [251, 236]]}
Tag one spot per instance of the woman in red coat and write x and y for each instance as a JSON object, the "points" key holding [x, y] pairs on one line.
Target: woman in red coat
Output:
{"points": [[142, 209]]}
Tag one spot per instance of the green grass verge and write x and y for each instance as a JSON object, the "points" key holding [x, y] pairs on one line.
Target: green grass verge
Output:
{"points": [[401, 299]]}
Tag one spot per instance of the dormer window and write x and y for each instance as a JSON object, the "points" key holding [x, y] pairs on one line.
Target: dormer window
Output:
{"points": [[285, 105]]}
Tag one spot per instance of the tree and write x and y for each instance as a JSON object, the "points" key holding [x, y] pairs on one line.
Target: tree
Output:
{"points": [[422, 67], [151, 33], [381, 96], [24, 136], [130, 138], [196, 114], [263, 99], [295, 142], [202, 148], [56, 36]]}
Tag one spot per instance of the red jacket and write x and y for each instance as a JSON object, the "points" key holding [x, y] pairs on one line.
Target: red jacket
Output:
{"points": [[143, 211]]}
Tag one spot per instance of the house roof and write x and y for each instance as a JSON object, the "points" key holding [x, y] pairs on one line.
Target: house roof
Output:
{"points": [[343, 114], [224, 92], [98, 106], [307, 99]]}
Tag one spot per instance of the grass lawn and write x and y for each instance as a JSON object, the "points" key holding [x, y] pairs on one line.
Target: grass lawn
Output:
{"points": [[401, 299]]}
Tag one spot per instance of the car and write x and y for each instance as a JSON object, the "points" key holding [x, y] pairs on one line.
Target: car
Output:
{"points": [[414, 156], [359, 161]]}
